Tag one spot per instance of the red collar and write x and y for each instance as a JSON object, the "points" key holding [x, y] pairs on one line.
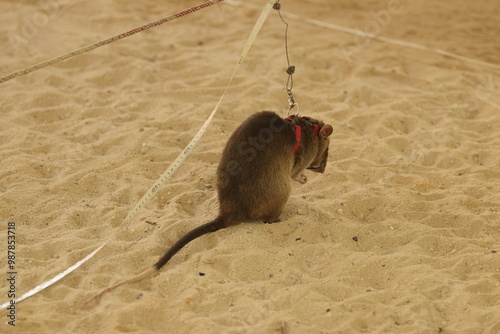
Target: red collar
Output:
{"points": [[298, 129]]}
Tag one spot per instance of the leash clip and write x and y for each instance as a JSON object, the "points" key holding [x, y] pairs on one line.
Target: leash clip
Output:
{"points": [[292, 104]]}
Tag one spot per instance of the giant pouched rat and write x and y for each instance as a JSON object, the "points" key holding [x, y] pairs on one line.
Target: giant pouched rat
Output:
{"points": [[255, 173]]}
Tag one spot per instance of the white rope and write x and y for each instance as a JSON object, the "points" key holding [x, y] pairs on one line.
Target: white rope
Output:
{"points": [[363, 34], [170, 170]]}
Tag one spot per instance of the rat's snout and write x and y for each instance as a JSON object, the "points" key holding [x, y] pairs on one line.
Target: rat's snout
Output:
{"points": [[319, 167]]}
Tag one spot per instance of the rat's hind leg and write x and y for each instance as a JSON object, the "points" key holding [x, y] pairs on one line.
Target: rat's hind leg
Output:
{"points": [[273, 216], [271, 200]]}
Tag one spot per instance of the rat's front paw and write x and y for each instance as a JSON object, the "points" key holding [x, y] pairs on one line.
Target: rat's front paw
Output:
{"points": [[301, 178]]}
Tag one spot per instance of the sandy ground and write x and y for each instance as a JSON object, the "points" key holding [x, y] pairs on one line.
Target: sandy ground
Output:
{"points": [[401, 234]]}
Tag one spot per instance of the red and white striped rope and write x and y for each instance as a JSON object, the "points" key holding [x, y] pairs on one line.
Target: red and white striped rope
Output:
{"points": [[108, 41]]}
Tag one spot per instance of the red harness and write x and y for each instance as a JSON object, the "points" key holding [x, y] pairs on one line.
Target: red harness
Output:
{"points": [[298, 130]]}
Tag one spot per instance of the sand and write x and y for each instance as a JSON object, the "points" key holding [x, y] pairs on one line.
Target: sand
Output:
{"points": [[401, 234]]}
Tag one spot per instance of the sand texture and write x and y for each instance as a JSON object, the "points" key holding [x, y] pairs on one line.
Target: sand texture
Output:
{"points": [[401, 234]]}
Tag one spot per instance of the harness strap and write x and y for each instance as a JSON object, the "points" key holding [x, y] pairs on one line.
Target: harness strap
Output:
{"points": [[298, 136], [298, 130]]}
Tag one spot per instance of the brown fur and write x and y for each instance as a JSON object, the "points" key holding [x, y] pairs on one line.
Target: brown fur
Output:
{"points": [[254, 177]]}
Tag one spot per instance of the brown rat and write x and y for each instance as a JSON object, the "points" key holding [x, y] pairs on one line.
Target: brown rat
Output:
{"points": [[254, 177]]}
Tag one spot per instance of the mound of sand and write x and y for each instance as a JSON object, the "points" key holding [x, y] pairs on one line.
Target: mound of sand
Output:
{"points": [[399, 235]]}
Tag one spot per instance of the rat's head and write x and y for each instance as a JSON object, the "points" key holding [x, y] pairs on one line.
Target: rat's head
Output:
{"points": [[319, 162]]}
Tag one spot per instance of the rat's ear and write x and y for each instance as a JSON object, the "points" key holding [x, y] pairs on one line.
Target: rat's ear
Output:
{"points": [[325, 131]]}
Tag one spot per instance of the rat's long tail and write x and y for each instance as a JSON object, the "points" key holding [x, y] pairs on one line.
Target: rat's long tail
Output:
{"points": [[212, 226], [146, 273]]}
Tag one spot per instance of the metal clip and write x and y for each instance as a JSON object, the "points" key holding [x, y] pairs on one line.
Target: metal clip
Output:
{"points": [[292, 104]]}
